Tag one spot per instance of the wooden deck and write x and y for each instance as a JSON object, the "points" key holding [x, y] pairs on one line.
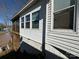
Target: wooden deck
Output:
{"points": [[5, 43], [15, 41], [5, 38]]}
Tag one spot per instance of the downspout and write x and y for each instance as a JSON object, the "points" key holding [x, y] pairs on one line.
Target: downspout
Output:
{"points": [[44, 27], [77, 17]]}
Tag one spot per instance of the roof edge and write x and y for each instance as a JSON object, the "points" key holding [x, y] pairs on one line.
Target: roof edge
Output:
{"points": [[27, 5]]}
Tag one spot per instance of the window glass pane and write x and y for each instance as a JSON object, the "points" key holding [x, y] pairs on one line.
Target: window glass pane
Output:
{"points": [[27, 24], [35, 20], [64, 19], [28, 18], [35, 16], [22, 25], [35, 24], [60, 4], [22, 22], [28, 21], [22, 19]]}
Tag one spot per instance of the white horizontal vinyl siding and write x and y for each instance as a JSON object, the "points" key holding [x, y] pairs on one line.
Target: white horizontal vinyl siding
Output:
{"points": [[66, 41], [34, 34]]}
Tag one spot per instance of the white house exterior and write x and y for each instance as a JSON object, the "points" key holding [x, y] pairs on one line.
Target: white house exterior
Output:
{"points": [[50, 24], [31, 25], [59, 34]]}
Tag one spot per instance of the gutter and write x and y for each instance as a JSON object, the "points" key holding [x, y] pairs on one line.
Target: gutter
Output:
{"points": [[24, 8]]}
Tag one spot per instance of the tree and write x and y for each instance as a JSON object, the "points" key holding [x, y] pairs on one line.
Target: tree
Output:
{"points": [[2, 26]]}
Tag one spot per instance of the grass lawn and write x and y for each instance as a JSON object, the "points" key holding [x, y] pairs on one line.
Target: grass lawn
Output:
{"points": [[1, 33]]}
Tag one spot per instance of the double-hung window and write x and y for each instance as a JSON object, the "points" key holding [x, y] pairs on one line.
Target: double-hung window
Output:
{"points": [[64, 14], [28, 21], [35, 19], [22, 22], [31, 19]]}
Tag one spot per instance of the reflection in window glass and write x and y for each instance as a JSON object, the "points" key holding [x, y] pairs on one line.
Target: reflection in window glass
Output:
{"points": [[61, 4], [35, 20]]}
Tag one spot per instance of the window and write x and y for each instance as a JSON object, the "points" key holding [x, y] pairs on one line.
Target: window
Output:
{"points": [[64, 14], [31, 19], [28, 21], [35, 19], [22, 22]]}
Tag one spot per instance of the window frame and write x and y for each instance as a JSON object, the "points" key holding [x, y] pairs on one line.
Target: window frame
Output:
{"points": [[22, 22], [27, 21], [33, 20], [52, 18], [30, 13], [35, 10]]}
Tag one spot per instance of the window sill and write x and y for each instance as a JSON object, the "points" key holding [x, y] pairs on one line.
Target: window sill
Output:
{"points": [[32, 29], [35, 29], [27, 28], [64, 30]]}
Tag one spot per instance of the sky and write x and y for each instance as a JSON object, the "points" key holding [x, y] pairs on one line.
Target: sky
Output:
{"points": [[8, 8]]}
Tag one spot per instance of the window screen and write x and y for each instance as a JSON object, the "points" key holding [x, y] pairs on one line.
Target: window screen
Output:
{"points": [[64, 14]]}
